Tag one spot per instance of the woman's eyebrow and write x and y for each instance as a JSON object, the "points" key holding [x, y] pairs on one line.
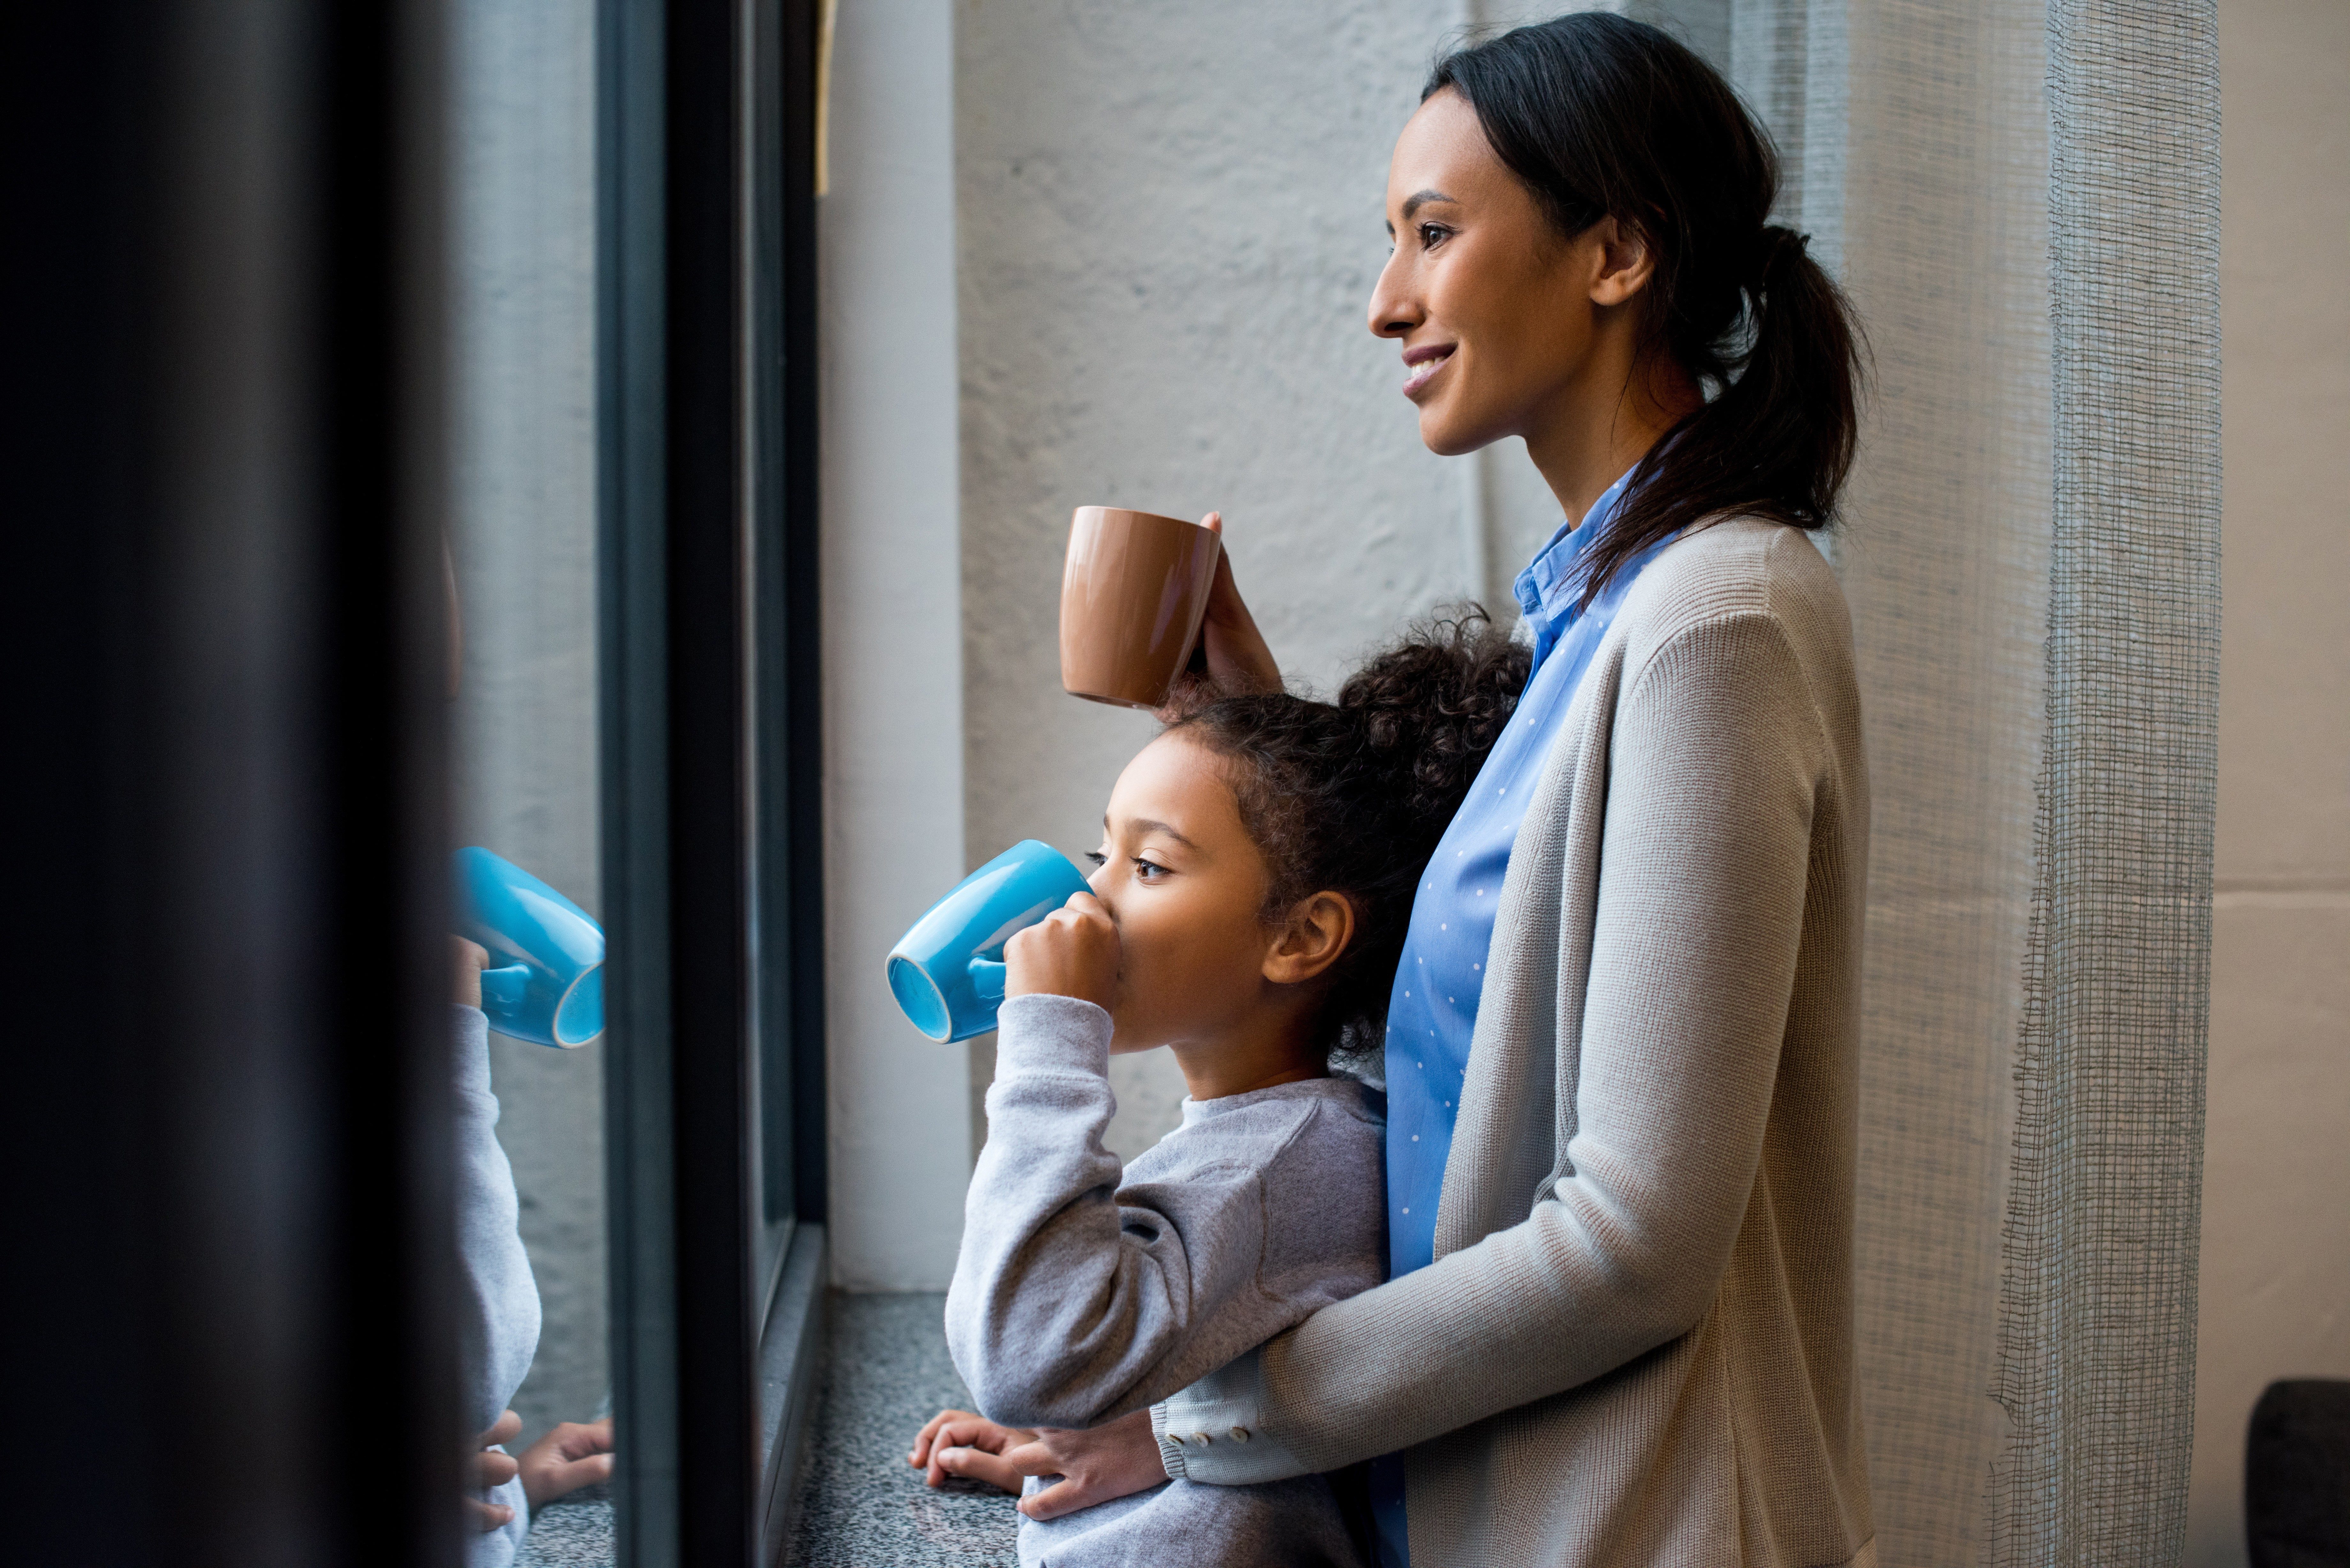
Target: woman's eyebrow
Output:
{"points": [[1419, 199]]}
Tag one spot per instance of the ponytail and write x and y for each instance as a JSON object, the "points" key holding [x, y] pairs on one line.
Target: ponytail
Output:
{"points": [[1351, 797], [1600, 115]]}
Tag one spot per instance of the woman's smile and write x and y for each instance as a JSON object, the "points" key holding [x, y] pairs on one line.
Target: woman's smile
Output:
{"points": [[1420, 365]]}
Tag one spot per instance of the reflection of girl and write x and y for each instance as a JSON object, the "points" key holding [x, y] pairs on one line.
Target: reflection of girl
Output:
{"points": [[1621, 1136], [498, 1309], [1256, 873], [498, 1316]]}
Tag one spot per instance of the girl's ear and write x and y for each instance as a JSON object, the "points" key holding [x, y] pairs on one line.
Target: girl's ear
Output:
{"points": [[1318, 928]]}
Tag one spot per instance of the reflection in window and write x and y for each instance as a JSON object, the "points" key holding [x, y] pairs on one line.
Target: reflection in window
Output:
{"points": [[522, 208]]}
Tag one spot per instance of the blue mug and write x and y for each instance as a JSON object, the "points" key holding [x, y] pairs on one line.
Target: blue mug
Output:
{"points": [[547, 982], [947, 973]]}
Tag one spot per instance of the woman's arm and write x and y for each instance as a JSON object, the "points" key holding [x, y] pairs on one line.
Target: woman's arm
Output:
{"points": [[1718, 752], [1070, 1305]]}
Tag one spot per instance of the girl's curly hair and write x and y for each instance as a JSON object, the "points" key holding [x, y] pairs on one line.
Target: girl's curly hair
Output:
{"points": [[1351, 797]]}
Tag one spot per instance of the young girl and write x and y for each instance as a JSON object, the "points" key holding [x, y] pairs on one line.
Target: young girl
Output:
{"points": [[1256, 876]]}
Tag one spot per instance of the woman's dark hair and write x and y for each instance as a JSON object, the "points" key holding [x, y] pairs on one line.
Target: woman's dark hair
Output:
{"points": [[1350, 797], [1602, 115]]}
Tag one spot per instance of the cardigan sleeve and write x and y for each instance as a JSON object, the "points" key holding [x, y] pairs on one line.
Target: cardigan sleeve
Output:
{"points": [[1717, 754]]}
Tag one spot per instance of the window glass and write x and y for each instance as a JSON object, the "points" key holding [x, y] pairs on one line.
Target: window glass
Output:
{"points": [[632, 554], [522, 547]]}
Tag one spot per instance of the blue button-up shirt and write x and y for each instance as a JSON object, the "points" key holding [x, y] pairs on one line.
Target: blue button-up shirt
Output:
{"points": [[1432, 1015]]}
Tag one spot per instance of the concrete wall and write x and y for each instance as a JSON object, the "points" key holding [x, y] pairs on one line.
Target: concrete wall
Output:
{"points": [[1169, 222], [2276, 1182], [893, 801], [1170, 219], [524, 545]]}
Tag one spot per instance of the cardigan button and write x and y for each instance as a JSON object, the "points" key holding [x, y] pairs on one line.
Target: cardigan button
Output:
{"points": [[1201, 1439], [1240, 1434], [1176, 1439]]}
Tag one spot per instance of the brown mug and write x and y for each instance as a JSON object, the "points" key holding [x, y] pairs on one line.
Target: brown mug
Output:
{"points": [[1132, 596]]}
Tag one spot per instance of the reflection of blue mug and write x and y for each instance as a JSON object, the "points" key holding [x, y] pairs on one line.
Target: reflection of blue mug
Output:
{"points": [[545, 981], [948, 971]]}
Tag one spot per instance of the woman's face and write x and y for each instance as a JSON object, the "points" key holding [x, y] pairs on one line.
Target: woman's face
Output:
{"points": [[1493, 309], [1186, 886]]}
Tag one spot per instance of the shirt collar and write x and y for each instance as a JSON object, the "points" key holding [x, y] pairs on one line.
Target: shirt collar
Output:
{"points": [[1334, 1087], [1552, 582]]}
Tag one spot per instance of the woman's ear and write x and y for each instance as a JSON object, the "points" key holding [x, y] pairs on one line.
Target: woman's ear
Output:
{"points": [[1316, 932], [1624, 263]]}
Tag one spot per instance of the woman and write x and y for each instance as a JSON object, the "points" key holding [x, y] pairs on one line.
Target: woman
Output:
{"points": [[1621, 1054]]}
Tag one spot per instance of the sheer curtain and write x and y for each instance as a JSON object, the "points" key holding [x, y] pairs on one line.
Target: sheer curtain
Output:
{"points": [[2023, 197]]}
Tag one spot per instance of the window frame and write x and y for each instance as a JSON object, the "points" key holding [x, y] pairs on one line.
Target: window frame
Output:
{"points": [[711, 765]]}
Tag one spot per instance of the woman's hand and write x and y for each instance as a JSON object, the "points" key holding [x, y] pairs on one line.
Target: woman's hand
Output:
{"points": [[1072, 951], [573, 1454], [1094, 1465], [1231, 656], [487, 1467]]}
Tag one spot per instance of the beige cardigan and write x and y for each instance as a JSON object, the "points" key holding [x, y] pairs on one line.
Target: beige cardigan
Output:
{"points": [[1635, 1346]]}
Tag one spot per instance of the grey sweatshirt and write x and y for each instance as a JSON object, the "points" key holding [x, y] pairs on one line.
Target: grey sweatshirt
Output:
{"points": [[1082, 1294], [498, 1299]]}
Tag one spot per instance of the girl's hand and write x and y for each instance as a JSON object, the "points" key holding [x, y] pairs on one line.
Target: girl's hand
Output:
{"points": [[487, 1467], [1072, 951], [1231, 656], [1094, 1465], [958, 1443], [573, 1454], [467, 960]]}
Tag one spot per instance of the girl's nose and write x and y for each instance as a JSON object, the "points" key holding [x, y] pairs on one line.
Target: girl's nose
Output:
{"points": [[1100, 883]]}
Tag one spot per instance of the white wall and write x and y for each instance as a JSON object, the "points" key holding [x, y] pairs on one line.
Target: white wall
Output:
{"points": [[900, 1153], [2276, 1173], [1171, 221]]}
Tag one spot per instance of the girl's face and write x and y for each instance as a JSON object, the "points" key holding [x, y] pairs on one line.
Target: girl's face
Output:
{"points": [[1495, 312], [1186, 886]]}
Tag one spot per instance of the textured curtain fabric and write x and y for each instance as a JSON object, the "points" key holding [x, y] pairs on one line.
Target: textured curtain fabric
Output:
{"points": [[2022, 198], [2098, 1305]]}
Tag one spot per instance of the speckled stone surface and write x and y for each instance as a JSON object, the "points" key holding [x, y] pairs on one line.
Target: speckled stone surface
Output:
{"points": [[575, 1531], [861, 1504]]}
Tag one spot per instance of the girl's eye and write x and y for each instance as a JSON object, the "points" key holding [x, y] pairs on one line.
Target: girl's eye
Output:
{"points": [[1432, 235], [1097, 857], [1143, 869]]}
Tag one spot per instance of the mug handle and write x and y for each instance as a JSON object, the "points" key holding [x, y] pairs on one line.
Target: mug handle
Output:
{"points": [[503, 988], [987, 979]]}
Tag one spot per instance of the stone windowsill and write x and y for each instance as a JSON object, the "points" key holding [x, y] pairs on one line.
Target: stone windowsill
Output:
{"points": [[860, 1504]]}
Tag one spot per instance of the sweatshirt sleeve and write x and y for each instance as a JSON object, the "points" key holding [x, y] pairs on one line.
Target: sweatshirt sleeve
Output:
{"points": [[1074, 1300], [1705, 852], [498, 1300]]}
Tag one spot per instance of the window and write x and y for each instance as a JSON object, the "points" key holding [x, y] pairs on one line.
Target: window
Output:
{"points": [[709, 765], [634, 522], [330, 305]]}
